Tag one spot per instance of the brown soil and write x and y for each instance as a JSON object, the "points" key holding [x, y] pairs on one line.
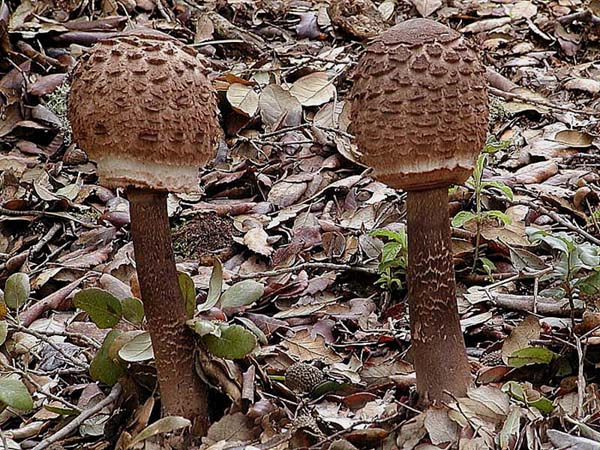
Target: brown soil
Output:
{"points": [[204, 236]]}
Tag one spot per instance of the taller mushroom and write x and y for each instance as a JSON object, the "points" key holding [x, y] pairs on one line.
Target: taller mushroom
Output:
{"points": [[419, 113], [141, 107]]}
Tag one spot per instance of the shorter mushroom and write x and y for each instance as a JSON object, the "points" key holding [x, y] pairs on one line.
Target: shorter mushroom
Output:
{"points": [[419, 112], [141, 107]]}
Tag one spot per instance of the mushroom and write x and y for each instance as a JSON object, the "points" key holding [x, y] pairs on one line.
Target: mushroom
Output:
{"points": [[419, 113], [141, 107]]}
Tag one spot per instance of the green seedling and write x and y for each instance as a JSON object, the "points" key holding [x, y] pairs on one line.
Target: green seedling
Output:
{"points": [[479, 185]]}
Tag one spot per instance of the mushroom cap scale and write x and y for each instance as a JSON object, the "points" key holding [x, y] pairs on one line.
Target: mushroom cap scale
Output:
{"points": [[419, 106], [141, 107]]}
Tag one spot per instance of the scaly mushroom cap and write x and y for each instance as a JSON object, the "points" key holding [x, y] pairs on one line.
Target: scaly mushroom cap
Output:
{"points": [[419, 106], [141, 107]]}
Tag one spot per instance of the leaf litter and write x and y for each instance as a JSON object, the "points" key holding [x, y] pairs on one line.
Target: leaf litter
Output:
{"points": [[287, 206]]}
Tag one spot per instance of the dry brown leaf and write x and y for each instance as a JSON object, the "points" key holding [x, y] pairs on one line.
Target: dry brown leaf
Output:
{"points": [[527, 330], [536, 172], [285, 193], [313, 89], [256, 240], [307, 348], [439, 426], [588, 85], [574, 138], [485, 25], [427, 7], [278, 108], [243, 99]]}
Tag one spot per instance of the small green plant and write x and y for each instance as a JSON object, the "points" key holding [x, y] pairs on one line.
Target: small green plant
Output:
{"points": [[578, 265], [477, 183], [219, 337], [394, 258], [13, 393]]}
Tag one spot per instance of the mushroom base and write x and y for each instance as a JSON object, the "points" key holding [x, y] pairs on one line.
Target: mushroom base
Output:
{"points": [[439, 351]]}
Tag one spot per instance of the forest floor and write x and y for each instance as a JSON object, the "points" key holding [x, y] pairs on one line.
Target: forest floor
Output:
{"points": [[291, 219]]}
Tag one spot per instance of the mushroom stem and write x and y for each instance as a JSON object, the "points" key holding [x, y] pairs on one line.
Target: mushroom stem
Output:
{"points": [[182, 392], [438, 345]]}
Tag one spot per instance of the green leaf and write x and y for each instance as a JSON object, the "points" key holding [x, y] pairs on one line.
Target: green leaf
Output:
{"points": [[61, 411], [104, 309], [215, 287], [16, 290], [399, 263], [544, 405], [138, 349], [557, 243], [488, 265], [3, 331], [589, 285], [507, 191], [242, 293], [531, 355], [505, 219], [133, 309], [495, 145], [478, 172], [203, 327], [328, 386], [390, 251], [188, 292], [523, 392], [515, 390], [395, 236], [164, 425], [14, 394], [235, 342], [461, 218], [102, 367], [254, 328]]}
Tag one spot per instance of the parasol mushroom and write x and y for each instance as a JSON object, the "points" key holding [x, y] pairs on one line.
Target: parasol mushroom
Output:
{"points": [[419, 112], [141, 107]]}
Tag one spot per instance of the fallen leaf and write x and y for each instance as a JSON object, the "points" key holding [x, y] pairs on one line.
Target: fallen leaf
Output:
{"points": [[528, 329], [279, 108], [243, 99], [306, 347], [256, 240], [313, 89], [427, 7]]}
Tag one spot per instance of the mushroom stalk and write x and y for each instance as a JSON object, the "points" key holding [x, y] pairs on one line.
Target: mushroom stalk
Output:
{"points": [[438, 345], [182, 391]]}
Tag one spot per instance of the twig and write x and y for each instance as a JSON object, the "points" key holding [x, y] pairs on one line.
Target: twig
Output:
{"points": [[525, 303], [307, 265], [46, 238], [321, 443], [74, 336], [554, 216], [302, 127], [585, 15], [44, 338], [40, 390], [75, 423], [218, 41], [32, 212], [50, 302], [531, 101], [580, 377]]}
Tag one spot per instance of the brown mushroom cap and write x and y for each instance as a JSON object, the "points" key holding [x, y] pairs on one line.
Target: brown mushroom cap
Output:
{"points": [[141, 107], [419, 106]]}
